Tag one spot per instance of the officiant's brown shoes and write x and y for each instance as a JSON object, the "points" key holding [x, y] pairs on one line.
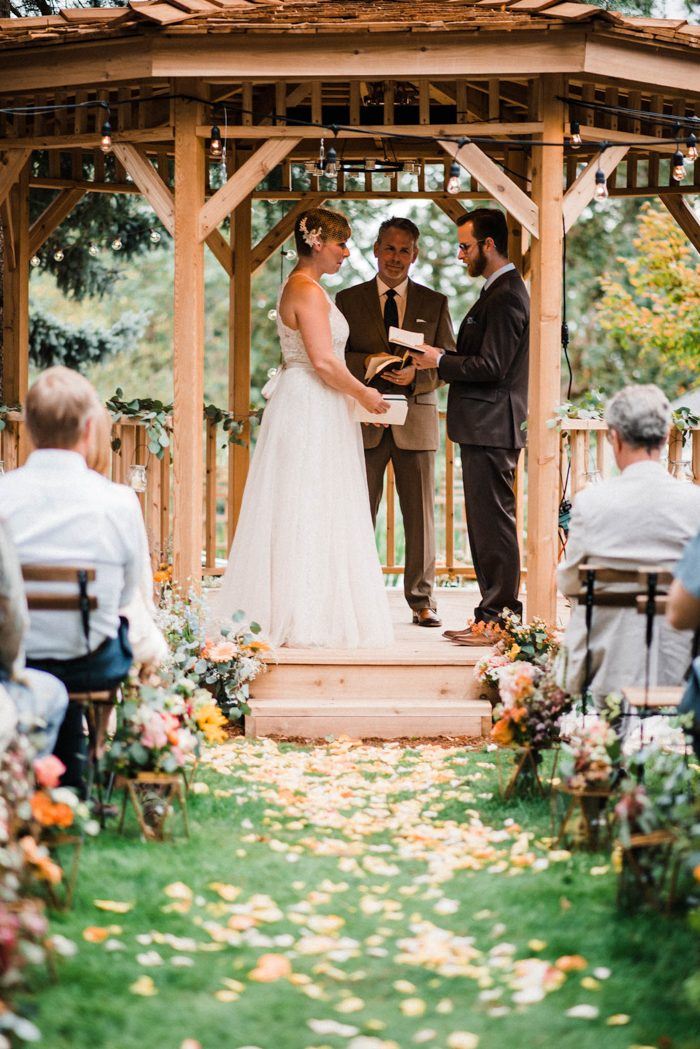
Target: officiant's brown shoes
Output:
{"points": [[469, 638], [426, 617]]}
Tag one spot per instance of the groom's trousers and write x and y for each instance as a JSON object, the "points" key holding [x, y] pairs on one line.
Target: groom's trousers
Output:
{"points": [[489, 493], [415, 483]]}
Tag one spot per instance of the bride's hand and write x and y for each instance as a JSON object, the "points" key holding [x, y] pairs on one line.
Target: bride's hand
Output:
{"points": [[373, 401]]}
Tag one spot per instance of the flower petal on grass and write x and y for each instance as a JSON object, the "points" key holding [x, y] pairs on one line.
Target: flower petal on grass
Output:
{"points": [[116, 906], [583, 1012], [462, 1040], [618, 1020], [270, 967], [144, 987]]}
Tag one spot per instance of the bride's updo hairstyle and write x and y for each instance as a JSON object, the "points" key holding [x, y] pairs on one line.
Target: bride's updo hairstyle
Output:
{"points": [[319, 225]]}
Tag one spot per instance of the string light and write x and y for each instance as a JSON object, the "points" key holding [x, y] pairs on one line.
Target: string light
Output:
{"points": [[106, 139], [453, 182], [678, 166], [332, 163], [692, 144], [216, 148], [576, 139], [600, 194], [154, 236], [58, 255], [93, 250], [117, 243], [35, 261]]}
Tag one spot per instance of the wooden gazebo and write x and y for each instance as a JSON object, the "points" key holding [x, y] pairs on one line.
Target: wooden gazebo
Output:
{"points": [[380, 80]]}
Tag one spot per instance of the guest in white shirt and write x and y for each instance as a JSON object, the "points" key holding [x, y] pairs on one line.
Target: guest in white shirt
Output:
{"points": [[641, 519], [59, 512]]}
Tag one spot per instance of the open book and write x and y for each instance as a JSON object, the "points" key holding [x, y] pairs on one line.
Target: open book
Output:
{"points": [[379, 363]]}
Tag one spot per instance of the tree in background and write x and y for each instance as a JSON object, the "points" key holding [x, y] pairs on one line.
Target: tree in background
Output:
{"points": [[652, 314]]}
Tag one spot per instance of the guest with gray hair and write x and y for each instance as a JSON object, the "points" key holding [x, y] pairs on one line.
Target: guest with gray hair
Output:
{"points": [[642, 518]]}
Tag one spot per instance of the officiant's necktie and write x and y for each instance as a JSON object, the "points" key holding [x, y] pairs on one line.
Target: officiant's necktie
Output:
{"points": [[391, 310]]}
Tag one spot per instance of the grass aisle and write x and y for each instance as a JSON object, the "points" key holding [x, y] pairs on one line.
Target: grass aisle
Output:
{"points": [[363, 897]]}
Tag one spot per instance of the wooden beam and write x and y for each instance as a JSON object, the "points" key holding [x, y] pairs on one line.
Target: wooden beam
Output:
{"points": [[239, 357], [545, 360], [644, 143], [147, 179], [503, 189], [15, 317], [7, 224], [49, 220], [580, 193], [481, 127], [684, 215], [12, 162], [221, 250], [279, 233], [251, 174], [452, 206], [91, 140], [188, 339]]}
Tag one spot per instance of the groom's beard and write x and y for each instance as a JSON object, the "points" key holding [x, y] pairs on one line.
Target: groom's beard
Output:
{"points": [[476, 267]]}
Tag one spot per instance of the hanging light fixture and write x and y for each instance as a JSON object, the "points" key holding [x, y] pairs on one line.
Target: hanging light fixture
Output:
{"points": [[216, 146], [106, 139], [600, 194], [35, 261], [117, 243], [332, 163], [575, 129], [154, 236], [678, 166], [58, 255], [453, 182], [93, 250], [692, 151]]}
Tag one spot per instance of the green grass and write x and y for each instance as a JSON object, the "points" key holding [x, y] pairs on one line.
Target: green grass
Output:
{"points": [[244, 839]]}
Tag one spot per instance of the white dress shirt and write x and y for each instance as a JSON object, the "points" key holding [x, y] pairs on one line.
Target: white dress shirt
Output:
{"points": [[400, 300], [499, 273], [60, 513]]}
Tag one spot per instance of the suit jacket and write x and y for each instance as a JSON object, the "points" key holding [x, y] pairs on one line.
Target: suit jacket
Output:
{"points": [[641, 519], [427, 312], [487, 402]]}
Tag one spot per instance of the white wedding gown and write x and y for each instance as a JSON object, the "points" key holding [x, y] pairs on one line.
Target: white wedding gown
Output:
{"points": [[304, 563]]}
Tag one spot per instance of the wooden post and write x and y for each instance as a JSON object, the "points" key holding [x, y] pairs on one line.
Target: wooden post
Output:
{"points": [[188, 350], [545, 359], [239, 358], [15, 335]]}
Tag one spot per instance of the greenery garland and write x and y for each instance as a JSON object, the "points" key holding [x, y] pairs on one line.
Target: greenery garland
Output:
{"points": [[5, 410]]}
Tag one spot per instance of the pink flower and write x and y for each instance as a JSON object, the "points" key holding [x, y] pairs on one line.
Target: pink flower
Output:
{"points": [[48, 771], [154, 732]]}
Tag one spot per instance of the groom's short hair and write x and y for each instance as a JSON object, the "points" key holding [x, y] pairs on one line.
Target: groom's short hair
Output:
{"points": [[398, 222], [488, 222]]}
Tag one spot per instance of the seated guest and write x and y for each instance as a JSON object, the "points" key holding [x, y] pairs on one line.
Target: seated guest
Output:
{"points": [[147, 642], [39, 700], [60, 513], [641, 519], [683, 610]]}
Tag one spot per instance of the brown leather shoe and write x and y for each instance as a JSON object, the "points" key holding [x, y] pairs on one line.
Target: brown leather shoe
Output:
{"points": [[455, 633], [426, 617], [471, 639]]}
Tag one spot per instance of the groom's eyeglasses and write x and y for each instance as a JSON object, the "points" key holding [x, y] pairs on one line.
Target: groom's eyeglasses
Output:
{"points": [[466, 248]]}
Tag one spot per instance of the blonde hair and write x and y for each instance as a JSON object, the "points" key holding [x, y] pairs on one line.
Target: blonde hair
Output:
{"points": [[58, 407], [332, 225], [99, 453]]}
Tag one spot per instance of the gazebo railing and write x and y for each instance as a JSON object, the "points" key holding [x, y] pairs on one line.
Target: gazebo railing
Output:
{"points": [[585, 458]]}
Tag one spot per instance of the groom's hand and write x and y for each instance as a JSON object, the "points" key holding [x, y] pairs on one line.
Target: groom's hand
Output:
{"points": [[401, 377], [428, 357]]}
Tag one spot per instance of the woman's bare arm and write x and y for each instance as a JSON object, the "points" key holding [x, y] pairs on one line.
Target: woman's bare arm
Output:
{"points": [[683, 609]]}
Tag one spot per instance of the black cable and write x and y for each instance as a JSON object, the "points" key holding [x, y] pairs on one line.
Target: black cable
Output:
{"points": [[637, 114]]}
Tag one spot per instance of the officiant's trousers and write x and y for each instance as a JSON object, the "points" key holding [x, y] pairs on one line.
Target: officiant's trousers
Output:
{"points": [[489, 495], [415, 483]]}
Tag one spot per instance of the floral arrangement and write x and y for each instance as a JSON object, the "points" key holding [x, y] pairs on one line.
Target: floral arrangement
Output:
{"points": [[55, 809], [224, 664], [514, 642], [530, 707], [590, 756]]}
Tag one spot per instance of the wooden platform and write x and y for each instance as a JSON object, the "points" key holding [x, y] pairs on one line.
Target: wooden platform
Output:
{"points": [[421, 686]]}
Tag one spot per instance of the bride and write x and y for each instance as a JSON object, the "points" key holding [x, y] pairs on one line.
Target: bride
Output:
{"points": [[303, 562]]}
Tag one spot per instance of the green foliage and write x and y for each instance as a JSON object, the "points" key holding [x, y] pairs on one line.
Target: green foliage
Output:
{"points": [[5, 410], [51, 342], [154, 414]]}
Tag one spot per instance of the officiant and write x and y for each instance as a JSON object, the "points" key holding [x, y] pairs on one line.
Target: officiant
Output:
{"points": [[371, 308]]}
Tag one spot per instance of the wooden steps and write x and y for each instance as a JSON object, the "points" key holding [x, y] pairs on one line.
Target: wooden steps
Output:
{"points": [[422, 686]]}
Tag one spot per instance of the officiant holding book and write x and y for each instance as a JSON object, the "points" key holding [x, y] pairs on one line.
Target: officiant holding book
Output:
{"points": [[392, 299]]}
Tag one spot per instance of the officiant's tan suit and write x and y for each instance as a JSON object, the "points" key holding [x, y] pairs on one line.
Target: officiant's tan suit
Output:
{"points": [[411, 447]]}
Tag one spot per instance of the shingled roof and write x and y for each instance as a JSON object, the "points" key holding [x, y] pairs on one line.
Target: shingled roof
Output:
{"points": [[174, 17]]}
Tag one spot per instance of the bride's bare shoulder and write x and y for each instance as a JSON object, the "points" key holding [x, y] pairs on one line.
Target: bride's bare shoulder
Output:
{"points": [[300, 288]]}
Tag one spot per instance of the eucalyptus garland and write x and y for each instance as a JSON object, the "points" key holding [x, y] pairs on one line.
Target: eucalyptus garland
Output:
{"points": [[5, 410]]}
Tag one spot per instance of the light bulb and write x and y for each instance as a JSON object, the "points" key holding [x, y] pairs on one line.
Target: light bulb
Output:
{"points": [[154, 236], [332, 163], [453, 183], [290, 254], [678, 167], [117, 244], [93, 250], [272, 315], [58, 255], [106, 139], [575, 134], [692, 151], [601, 187], [35, 261], [216, 148]]}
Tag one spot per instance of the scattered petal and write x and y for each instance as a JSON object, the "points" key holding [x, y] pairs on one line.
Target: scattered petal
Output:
{"points": [[117, 906], [144, 986], [618, 1020], [583, 1012], [462, 1040]]}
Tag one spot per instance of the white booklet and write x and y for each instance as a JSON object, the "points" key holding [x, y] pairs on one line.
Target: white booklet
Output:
{"points": [[404, 337], [396, 416]]}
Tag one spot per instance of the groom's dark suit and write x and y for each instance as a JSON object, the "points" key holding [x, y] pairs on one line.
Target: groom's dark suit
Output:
{"points": [[486, 407]]}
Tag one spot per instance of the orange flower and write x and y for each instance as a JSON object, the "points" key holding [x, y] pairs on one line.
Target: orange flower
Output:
{"points": [[49, 813], [219, 651], [39, 858], [501, 732], [696, 872], [257, 646], [571, 963]]}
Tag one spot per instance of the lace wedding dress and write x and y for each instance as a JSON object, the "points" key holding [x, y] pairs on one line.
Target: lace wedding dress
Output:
{"points": [[303, 562]]}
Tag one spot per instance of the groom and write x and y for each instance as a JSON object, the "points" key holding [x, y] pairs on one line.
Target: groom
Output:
{"points": [[486, 408], [370, 309]]}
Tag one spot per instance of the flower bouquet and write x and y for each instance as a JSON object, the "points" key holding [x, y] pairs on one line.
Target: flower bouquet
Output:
{"points": [[590, 757], [155, 733], [513, 642]]}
